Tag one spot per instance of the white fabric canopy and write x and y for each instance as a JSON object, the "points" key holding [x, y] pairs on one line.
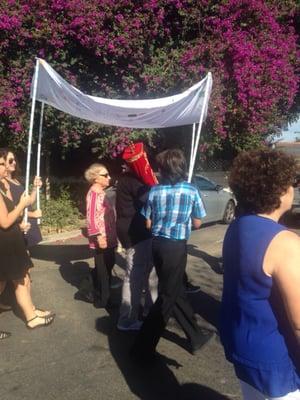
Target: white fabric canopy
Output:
{"points": [[181, 109], [189, 107]]}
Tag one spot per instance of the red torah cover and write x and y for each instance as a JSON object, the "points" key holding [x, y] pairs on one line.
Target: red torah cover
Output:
{"points": [[136, 157]]}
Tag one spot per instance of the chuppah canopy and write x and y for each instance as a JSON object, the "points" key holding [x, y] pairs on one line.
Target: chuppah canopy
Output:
{"points": [[181, 109], [188, 107]]}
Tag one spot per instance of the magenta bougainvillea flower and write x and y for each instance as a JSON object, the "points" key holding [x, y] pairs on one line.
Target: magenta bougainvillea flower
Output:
{"points": [[152, 48]]}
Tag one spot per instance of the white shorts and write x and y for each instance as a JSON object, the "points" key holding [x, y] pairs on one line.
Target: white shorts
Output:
{"points": [[249, 393]]}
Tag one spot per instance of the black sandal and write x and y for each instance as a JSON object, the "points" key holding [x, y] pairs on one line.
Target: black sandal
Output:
{"points": [[47, 320], [4, 335]]}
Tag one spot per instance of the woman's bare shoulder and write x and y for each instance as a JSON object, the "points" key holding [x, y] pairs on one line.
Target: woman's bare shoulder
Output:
{"points": [[285, 248], [287, 238], [284, 243]]}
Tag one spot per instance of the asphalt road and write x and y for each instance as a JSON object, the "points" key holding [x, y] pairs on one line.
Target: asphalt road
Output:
{"points": [[82, 356]]}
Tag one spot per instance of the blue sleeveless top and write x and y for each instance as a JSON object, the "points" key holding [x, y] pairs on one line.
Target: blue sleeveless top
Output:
{"points": [[248, 328]]}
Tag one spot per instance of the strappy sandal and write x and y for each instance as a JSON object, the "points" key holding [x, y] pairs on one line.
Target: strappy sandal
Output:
{"points": [[4, 335], [49, 313], [46, 322]]}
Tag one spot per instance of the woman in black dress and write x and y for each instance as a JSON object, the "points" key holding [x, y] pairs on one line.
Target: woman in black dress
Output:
{"points": [[33, 235], [14, 189], [15, 260]]}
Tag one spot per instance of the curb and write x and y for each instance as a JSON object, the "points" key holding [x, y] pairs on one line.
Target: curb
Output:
{"points": [[61, 236]]}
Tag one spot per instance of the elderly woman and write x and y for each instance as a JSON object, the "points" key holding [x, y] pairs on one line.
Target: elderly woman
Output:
{"points": [[15, 261], [261, 278], [101, 228]]}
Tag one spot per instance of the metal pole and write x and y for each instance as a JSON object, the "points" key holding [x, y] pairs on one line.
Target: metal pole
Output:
{"points": [[38, 159], [204, 109], [30, 134], [192, 152]]}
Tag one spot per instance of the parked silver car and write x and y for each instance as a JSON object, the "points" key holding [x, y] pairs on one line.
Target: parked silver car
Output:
{"points": [[219, 202], [291, 217], [296, 202]]}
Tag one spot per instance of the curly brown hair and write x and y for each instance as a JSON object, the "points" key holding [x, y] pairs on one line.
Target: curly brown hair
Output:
{"points": [[258, 178]]}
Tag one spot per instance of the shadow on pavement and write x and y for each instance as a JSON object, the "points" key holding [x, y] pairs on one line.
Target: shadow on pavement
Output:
{"points": [[75, 272], [215, 263], [70, 252], [157, 382], [61, 252], [206, 306], [67, 252], [192, 391], [173, 337], [71, 262]]}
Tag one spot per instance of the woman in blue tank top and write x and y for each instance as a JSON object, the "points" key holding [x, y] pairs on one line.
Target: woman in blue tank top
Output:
{"points": [[260, 312]]}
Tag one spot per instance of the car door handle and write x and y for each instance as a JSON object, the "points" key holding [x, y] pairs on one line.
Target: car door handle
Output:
{"points": [[205, 195]]}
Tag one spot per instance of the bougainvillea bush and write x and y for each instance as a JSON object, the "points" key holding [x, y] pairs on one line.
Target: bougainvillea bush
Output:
{"points": [[151, 48]]}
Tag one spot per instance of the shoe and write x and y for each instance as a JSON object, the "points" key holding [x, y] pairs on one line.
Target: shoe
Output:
{"points": [[47, 313], [190, 288], [46, 322], [87, 297], [4, 335], [135, 326], [202, 341]]}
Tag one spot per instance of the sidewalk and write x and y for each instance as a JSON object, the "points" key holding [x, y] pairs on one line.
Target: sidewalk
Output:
{"points": [[61, 236], [83, 356]]}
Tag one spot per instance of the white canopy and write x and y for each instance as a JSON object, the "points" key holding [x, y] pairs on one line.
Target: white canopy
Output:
{"points": [[181, 109], [189, 107]]}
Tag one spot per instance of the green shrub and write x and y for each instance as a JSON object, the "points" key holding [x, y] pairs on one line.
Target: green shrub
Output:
{"points": [[59, 212], [76, 188]]}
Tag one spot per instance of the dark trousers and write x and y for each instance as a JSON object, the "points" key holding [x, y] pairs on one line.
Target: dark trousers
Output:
{"points": [[101, 274], [185, 279], [169, 257]]}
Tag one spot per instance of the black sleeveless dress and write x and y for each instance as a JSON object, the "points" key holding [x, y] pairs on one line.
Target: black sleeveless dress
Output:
{"points": [[33, 236], [14, 260]]}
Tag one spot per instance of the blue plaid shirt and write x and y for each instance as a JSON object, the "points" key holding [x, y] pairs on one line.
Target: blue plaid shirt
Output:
{"points": [[171, 209]]}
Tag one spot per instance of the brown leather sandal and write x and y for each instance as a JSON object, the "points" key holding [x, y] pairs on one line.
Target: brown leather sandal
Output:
{"points": [[49, 313], [46, 322]]}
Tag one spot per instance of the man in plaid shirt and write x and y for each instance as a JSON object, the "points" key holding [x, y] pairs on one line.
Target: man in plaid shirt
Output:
{"points": [[170, 211]]}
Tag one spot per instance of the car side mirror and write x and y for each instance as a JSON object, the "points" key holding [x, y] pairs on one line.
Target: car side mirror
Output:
{"points": [[218, 188]]}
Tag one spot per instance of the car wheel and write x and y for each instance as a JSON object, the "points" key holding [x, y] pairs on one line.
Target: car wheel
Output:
{"points": [[229, 212]]}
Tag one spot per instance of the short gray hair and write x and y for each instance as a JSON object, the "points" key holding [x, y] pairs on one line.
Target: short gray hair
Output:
{"points": [[93, 171]]}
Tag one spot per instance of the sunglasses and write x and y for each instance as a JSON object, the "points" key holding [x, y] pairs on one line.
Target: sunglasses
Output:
{"points": [[11, 160], [105, 175]]}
